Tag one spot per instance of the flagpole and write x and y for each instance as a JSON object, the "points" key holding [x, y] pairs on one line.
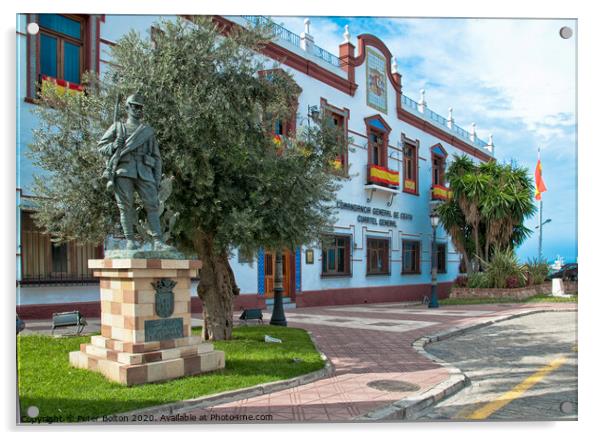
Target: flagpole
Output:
{"points": [[540, 216], [540, 230]]}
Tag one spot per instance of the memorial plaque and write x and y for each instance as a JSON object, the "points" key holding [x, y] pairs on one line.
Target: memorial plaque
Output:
{"points": [[161, 329]]}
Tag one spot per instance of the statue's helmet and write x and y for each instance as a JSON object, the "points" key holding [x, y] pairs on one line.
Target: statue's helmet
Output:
{"points": [[135, 99]]}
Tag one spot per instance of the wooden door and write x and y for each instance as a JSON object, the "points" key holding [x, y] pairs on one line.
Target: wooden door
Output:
{"points": [[270, 273]]}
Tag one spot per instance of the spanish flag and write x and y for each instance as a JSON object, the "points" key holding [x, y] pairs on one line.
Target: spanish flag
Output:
{"points": [[540, 186]]}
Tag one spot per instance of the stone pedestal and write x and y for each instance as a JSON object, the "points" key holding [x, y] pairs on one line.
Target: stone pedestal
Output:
{"points": [[557, 287], [145, 323]]}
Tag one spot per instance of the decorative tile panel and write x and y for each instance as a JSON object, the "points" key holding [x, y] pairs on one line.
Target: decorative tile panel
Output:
{"points": [[376, 81]]}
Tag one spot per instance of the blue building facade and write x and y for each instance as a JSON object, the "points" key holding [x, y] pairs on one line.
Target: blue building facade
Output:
{"points": [[394, 168]]}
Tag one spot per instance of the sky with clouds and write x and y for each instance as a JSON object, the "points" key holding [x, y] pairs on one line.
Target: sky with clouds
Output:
{"points": [[515, 78]]}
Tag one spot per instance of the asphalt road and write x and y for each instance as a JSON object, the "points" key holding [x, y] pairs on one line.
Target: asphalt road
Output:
{"points": [[521, 369]]}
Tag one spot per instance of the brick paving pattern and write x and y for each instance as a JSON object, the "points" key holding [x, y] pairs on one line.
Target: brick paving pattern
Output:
{"points": [[364, 343]]}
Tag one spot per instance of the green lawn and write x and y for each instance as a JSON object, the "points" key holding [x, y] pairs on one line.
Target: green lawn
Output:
{"points": [[63, 393], [531, 299]]}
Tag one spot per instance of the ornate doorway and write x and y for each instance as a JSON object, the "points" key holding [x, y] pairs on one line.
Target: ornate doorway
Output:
{"points": [[270, 273]]}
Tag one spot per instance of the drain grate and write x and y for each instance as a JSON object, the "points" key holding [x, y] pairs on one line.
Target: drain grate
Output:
{"points": [[393, 385]]}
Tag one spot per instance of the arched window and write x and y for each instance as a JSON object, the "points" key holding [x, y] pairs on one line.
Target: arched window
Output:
{"points": [[410, 164], [438, 157], [377, 131], [340, 119], [284, 127]]}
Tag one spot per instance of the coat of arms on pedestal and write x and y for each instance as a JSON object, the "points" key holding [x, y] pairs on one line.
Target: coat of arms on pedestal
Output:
{"points": [[164, 298]]}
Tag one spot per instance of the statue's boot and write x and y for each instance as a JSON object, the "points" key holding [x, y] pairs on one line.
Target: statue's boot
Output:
{"points": [[130, 245], [160, 245]]}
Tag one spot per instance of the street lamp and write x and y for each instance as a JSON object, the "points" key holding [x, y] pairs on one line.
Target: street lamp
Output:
{"points": [[434, 303], [278, 317]]}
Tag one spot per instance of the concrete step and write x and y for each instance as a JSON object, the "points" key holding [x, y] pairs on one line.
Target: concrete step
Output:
{"points": [[286, 303], [286, 306]]}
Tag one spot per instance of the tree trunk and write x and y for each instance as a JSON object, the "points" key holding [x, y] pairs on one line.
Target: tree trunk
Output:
{"points": [[467, 262], [475, 232], [216, 290], [487, 245]]}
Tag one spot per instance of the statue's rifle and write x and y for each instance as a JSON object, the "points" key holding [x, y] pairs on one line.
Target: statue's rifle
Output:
{"points": [[113, 161]]}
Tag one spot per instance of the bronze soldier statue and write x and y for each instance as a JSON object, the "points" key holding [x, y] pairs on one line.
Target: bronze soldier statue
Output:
{"points": [[134, 164]]}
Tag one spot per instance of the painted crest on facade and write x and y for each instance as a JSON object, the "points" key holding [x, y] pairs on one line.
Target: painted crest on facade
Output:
{"points": [[376, 84], [164, 298]]}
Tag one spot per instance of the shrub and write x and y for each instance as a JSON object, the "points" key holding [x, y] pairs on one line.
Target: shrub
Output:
{"points": [[512, 282], [478, 280], [528, 278], [537, 271], [461, 281], [503, 265]]}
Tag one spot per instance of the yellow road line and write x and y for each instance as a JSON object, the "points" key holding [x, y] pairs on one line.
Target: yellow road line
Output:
{"points": [[493, 406]]}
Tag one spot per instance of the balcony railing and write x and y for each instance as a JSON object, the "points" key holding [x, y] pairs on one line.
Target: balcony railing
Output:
{"points": [[279, 31], [440, 120], [383, 176], [286, 35], [440, 192], [326, 56], [435, 117], [408, 102]]}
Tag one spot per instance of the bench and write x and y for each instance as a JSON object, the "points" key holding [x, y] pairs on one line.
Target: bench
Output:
{"points": [[68, 319], [251, 314]]}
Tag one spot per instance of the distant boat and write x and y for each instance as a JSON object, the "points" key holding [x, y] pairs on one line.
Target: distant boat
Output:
{"points": [[558, 263]]}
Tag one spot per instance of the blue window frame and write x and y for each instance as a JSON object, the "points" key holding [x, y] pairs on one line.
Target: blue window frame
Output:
{"points": [[61, 47], [442, 257], [410, 257], [61, 24], [71, 62], [336, 255], [48, 57]]}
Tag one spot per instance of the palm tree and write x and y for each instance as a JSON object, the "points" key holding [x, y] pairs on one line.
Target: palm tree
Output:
{"points": [[489, 204]]}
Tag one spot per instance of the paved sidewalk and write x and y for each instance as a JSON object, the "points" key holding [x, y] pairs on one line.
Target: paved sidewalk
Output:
{"points": [[365, 343]]}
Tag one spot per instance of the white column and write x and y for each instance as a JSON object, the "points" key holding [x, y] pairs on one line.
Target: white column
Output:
{"points": [[490, 146], [450, 118], [557, 287], [473, 132], [346, 35], [307, 41], [422, 103]]}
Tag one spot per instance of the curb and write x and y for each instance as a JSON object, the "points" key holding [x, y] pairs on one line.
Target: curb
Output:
{"points": [[409, 407], [170, 409]]}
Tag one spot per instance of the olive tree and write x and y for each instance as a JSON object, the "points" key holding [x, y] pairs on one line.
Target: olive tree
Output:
{"points": [[233, 184]]}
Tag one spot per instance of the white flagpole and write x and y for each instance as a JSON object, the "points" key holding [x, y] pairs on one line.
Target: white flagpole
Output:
{"points": [[540, 255]]}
